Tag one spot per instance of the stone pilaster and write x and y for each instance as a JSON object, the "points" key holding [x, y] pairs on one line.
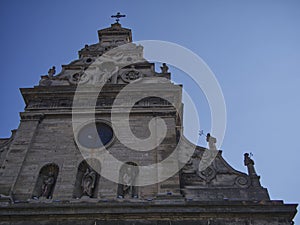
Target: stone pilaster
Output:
{"points": [[18, 151]]}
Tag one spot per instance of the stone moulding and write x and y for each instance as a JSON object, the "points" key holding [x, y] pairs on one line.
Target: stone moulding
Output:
{"points": [[228, 212]]}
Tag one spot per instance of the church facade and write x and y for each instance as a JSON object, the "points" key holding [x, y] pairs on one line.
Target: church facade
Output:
{"points": [[73, 161]]}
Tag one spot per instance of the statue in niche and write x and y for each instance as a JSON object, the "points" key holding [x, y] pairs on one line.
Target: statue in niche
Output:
{"points": [[46, 181], [48, 184], [250, 165], [88, 182], [211, 142], [164, 68], [128, 174], [51, 72]]}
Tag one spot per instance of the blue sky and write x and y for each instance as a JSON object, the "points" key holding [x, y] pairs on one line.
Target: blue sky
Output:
{"points": [[252, 47]]}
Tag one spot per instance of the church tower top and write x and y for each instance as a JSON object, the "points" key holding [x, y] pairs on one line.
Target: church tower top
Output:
{"points": [[115, 35], [109, 38]]}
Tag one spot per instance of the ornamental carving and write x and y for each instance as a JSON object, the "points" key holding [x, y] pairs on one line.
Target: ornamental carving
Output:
{"points": [[208, 174], [79, 78], [130, 75], [242, 181]]}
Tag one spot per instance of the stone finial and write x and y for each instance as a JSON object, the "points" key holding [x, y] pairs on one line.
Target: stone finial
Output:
{"points": [[164, 68], [51, 71], [250, 164], [211, 142], [251, 171]]}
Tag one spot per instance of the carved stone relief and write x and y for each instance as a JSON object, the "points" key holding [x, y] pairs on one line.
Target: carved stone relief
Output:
{"points": [[87, 179], [130, 75], [79, 78], [208, 174], [127, 176], [242, 181]]}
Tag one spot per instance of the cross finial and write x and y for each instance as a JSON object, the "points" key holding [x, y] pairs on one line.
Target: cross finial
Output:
{"points": [[118, 16]]}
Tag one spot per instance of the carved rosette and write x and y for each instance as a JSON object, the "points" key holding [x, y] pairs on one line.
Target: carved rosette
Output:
{"points": [[130, 75], [79, 78]]}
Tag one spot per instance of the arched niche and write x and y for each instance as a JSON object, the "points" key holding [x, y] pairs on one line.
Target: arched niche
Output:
{"points": [[46, 181], [87, 179], [127, 178]]}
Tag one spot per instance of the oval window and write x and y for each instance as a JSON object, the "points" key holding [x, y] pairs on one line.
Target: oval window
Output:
{"points": [[91, 136]]}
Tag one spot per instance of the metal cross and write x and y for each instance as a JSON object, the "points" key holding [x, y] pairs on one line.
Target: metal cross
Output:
{"points": [[118, 16], [201, 133]]}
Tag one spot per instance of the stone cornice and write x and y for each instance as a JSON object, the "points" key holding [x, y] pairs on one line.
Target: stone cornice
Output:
{"points": [[150, 210]]}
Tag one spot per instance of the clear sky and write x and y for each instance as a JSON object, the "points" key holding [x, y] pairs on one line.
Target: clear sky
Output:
{"points": [[252, 47]]}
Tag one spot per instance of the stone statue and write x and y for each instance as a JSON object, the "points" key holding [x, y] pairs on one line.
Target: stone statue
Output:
{"points": [[128, 176], [164, 68], [88, 182], [51, 71], [250, 164], [48, 185], [211, 142]]}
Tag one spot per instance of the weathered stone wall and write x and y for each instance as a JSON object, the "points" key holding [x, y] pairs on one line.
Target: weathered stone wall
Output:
{"points": [[17, 152], [53, 142]]}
